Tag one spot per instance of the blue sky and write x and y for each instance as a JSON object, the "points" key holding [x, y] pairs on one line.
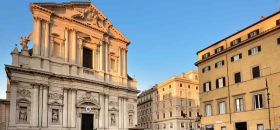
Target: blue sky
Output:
{"points": [[165, 34]]}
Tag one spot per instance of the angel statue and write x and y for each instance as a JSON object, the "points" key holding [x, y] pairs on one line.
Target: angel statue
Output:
{"points": [[24, 41]]}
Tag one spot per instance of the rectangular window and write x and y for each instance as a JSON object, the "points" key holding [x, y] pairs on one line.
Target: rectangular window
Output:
{"points": [[235, 42], [236, 57], [254, 50], [258, 99], [278, 41], [237, 77], [253, 33], [256, 72], [219, 64], [278, 22], [239, 104], [260, 127], [206, 55], [207, 86], [87, 58], [219, 49], [171, 125], [190, 114], [208, 109], [190, 103], [164, 126], [223, 128], [170, 114], [222, 107], [206, 69], [163, 115], [221, 82]]}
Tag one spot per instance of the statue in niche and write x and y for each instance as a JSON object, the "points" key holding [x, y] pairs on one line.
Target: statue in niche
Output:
{"points": [[23, 114], [113, 119], [55, 115], [130, 120]]}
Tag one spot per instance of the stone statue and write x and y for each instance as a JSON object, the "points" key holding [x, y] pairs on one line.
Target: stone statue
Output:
{"points": [[24, 41], [22, 114], [54, 115], [130, 120], [113, 119]]}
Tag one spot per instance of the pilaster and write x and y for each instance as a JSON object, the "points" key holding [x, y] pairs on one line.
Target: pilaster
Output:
{"points": [[65, 108], [102, 109], [12, 116], [35, 106], [73, 108], [45, 106]]}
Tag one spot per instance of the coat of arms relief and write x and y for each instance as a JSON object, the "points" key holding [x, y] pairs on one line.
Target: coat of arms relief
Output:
{"points": [[88, 15]]}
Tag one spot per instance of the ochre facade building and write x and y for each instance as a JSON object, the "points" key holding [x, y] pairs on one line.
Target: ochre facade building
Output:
{"points": [[237, 74]]}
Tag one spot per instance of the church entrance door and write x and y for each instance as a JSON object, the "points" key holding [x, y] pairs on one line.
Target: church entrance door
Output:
{"points": [[87, 121]]}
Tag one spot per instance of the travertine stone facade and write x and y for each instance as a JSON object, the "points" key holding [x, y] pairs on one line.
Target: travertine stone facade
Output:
{"points": [[176, 103], [144, 109], [236, 75], [75, 76]]}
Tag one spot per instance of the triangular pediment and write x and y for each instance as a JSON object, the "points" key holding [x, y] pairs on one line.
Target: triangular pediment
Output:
{"points": [[85, 13]]}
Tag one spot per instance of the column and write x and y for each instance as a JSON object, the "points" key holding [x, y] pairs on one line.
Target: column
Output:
{"points": [[135, 113], [45, 107], [125, 63], [66, 44], [13, 104], [101, 113], [101, 55], [69, 94], [106, 111], [73, 109], [42, 39], [40, 105], [125, 114], [35, 108], [120, 113], [36, 36], [47, 36], [120, 62], [73, 47], [65, 106]]}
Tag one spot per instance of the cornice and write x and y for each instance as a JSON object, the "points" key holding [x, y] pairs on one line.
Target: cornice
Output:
{"points": [[10, 68], [36, 7], [247, 41]]}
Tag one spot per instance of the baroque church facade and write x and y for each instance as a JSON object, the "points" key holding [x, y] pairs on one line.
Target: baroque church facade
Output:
{"points": [[75, 75]]}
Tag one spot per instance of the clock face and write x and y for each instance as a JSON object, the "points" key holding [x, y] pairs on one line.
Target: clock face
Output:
{"points": [[88, 109]]}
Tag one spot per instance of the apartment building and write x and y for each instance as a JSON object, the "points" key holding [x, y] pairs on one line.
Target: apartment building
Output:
{"points": [[237, 74], [176, 103], [144, 109]]}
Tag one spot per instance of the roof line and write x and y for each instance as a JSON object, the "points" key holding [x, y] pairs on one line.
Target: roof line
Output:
{"points": [[240, 31]]}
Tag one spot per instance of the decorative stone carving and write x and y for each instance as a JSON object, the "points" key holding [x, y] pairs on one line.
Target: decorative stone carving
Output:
{"points": [[24, 93], [130, 106], [55, 96], [89, 15], [55, 114], [130, 120], [113, 103], [24, 41], [23, 114], [113, 119]]}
